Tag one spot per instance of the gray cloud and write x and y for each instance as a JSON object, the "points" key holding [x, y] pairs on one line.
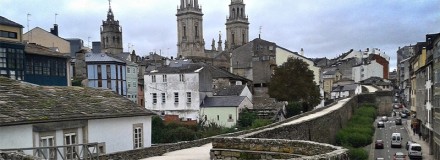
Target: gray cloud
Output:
{"points": [[323, 28]]}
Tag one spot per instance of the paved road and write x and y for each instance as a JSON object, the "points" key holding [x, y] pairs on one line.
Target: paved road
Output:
{"points": [[385, 135]]}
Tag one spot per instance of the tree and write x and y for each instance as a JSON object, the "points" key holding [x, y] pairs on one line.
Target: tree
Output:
{"points": [[293, 108], [246, 118], [293, 82]]}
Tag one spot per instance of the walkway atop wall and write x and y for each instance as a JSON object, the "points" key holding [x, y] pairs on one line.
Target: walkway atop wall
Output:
{"points": [[199, 153]]}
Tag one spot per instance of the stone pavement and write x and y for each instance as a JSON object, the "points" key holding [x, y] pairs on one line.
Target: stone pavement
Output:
{"points": [[415, 138]]}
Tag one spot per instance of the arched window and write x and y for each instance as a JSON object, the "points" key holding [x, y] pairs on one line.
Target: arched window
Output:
{"points": [[238, 12], [242, 13], [117, 40], [243, 39], [233, 13], [106, 39], [233, 38], [114, 39], [197, 31], [184, 31]]}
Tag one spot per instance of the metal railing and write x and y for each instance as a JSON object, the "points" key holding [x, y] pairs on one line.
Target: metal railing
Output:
{"points": [[88, 151]]}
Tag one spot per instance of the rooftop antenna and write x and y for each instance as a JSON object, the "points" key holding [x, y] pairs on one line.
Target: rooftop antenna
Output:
{"points": [[259, 34], [56, 14], [28, 15]]}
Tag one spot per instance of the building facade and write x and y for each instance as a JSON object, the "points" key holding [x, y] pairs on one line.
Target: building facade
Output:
{"points": [[11, 49], [105, 71], [177, 91], [42, 37], [46, 67]]}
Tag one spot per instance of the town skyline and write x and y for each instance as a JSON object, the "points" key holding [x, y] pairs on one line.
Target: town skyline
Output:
{"points": [[321, 30]]}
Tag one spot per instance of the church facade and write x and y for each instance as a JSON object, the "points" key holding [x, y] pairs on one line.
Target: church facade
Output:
{"points": [[190, 41]]}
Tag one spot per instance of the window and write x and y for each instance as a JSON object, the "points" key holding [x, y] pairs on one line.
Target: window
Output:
{"points": [[2, 57], [38, 68], [109, 76], [138, 136], [7, 34], [182, 78], [99, 76], [230, 118], [154, 98], [164, 77], [70, 139], [163, 98], [128, 84], [196, 28], [188, 97], [176, 97], [184, 32], [128, 69], [47, 141], [153, 78], [218, 117]]}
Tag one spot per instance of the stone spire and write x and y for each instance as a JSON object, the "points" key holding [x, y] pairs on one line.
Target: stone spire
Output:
{"points": [[213, 45], [219, 47], [110, 16], [111, 34]]}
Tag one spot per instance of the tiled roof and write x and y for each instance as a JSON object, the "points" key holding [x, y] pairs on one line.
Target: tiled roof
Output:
{"points": [[23, 103], [220, 73], [226, 101], [189, 68], [7, 22], [32, 48], [229, 91], [101, 57]]}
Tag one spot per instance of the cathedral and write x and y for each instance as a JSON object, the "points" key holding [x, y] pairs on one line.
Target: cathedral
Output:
{"points": [[190, 41]]}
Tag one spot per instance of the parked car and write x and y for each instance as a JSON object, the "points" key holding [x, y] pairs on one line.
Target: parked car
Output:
{"points": [[378, 144], [398, 121], [380, 124], [399, 156], [384, 118], [403, 115], [415, 151]]}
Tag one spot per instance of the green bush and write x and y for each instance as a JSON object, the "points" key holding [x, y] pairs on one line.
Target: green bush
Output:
{"points": [[246, 118], [359, 130], [357, 154], [293, 108], [260, 123]]}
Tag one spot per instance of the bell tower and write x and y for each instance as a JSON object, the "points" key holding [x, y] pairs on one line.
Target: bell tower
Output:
{"points": [[111, 34], [237, 25], [190, 42]]}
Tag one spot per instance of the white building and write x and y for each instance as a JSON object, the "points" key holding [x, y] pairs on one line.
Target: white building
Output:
{"points": [[177, 91], [347, 90], [224, 110], [365, 71], [58, 116]]}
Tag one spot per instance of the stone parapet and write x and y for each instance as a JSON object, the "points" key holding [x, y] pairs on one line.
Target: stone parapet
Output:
{"points": [[252, 148]]}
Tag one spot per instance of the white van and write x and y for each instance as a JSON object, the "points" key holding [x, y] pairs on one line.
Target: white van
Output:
{"points": [[415, 151], [396, 140]]}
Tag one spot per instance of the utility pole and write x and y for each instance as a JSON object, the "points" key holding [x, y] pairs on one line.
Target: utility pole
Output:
{"points": [[56, 14]]}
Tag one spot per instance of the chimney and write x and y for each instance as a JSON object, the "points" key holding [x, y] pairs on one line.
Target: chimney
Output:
{"points": [[80, 64], [54, 30], [302, 52]]}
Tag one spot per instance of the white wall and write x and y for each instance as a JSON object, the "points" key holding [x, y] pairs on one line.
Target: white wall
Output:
{"points": [[173, 84], [247, 93], [19, 136], [373, 69], [132, 81], [117, 133]]}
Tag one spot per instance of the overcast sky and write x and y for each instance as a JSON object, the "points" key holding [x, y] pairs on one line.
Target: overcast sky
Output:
{"points": [[324, 28]]}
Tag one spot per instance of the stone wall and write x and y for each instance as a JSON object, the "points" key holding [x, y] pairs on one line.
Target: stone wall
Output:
{"points": [[252, 148], [320, 129], [12, 155]]}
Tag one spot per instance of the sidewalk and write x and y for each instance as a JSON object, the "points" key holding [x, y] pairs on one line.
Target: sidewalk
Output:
{"points": [[415, 138]]}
